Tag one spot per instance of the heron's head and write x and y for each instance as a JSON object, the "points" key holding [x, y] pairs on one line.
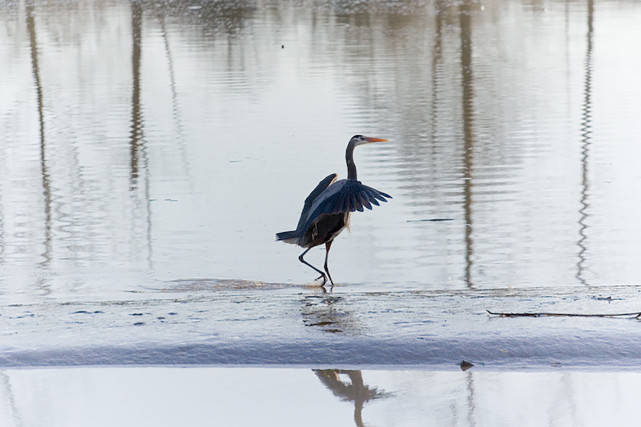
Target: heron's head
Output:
{"points": [[360, 139]]}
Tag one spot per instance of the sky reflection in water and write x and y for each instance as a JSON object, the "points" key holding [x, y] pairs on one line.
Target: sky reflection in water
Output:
{"points": [[152, 141], [294, 397]]}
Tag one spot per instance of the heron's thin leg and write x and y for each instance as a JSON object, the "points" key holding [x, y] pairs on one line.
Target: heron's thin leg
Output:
{"points": [[300, 258], [327, 246]]}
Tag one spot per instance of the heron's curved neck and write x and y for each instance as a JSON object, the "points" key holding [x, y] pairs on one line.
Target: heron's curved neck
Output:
{"points": [[349, 158]]}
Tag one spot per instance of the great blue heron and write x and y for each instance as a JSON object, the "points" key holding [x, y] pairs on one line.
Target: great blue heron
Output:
{"points": [[326, 210]]}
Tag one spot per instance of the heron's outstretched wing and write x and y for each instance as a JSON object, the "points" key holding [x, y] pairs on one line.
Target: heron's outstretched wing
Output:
{"points": [[326, 182], [344, 196]]}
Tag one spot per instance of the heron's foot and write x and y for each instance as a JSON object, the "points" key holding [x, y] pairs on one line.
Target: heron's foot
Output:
{"points": [[322, 285], [322, 276], [330, 280], [331, 287]]}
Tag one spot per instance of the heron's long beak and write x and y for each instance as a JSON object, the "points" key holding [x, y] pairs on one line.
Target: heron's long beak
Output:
{"points": [[375, 139]]}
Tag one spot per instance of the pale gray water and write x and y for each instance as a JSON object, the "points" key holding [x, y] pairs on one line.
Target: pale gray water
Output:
{"points": [[145, 144], [150, 150], [151, 141], [196, 397]]}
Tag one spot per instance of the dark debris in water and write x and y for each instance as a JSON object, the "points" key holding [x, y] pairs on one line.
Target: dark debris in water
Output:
{"points": [[430, 220], [27, 314], [634, 315], [325, 323], [608, 298], [88, 312], [465, 365]]}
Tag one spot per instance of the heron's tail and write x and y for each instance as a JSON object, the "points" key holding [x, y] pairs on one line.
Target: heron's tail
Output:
{"points": [[288, 236]]}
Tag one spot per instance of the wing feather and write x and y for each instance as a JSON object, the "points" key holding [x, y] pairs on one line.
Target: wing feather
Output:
{"points": [[349, 207], [345, 205], [342, 197], [322, 186], [380, 195], [357, 202], [371, 197], [364, 200]]}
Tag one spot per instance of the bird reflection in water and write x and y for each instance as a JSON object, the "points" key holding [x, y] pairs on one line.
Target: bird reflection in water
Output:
{"points": [[327, 313], [353, 391]]}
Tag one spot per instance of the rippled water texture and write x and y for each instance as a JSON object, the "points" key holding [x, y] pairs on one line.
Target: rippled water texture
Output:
{"points": [[152, 141]]}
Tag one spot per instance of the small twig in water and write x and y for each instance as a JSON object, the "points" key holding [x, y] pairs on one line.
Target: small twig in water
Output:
{"points": [[636, 315]]}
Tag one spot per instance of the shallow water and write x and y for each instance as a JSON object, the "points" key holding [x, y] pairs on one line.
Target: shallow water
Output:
{"points": [[246, 323], [153, 141], [294, 397], [150, 151]]}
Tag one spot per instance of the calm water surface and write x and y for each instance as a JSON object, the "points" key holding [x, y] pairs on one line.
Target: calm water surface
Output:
{"points": [[152, 141], [293, 397]]}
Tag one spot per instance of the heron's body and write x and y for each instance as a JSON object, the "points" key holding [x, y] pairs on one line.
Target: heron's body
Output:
{"points": [[327, 208], [325, 229]]}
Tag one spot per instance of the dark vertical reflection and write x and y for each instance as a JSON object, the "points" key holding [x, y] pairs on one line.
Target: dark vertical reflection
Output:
{"points": [[586, 141], [44, 173], [136, 116], [568, 85], [172, 78], [145, 160], [471, 406], [437, 51], [356, 392], [15, 414], [570, 391], [137, 146], [468, 132], [1, 228], [175, 107]]}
